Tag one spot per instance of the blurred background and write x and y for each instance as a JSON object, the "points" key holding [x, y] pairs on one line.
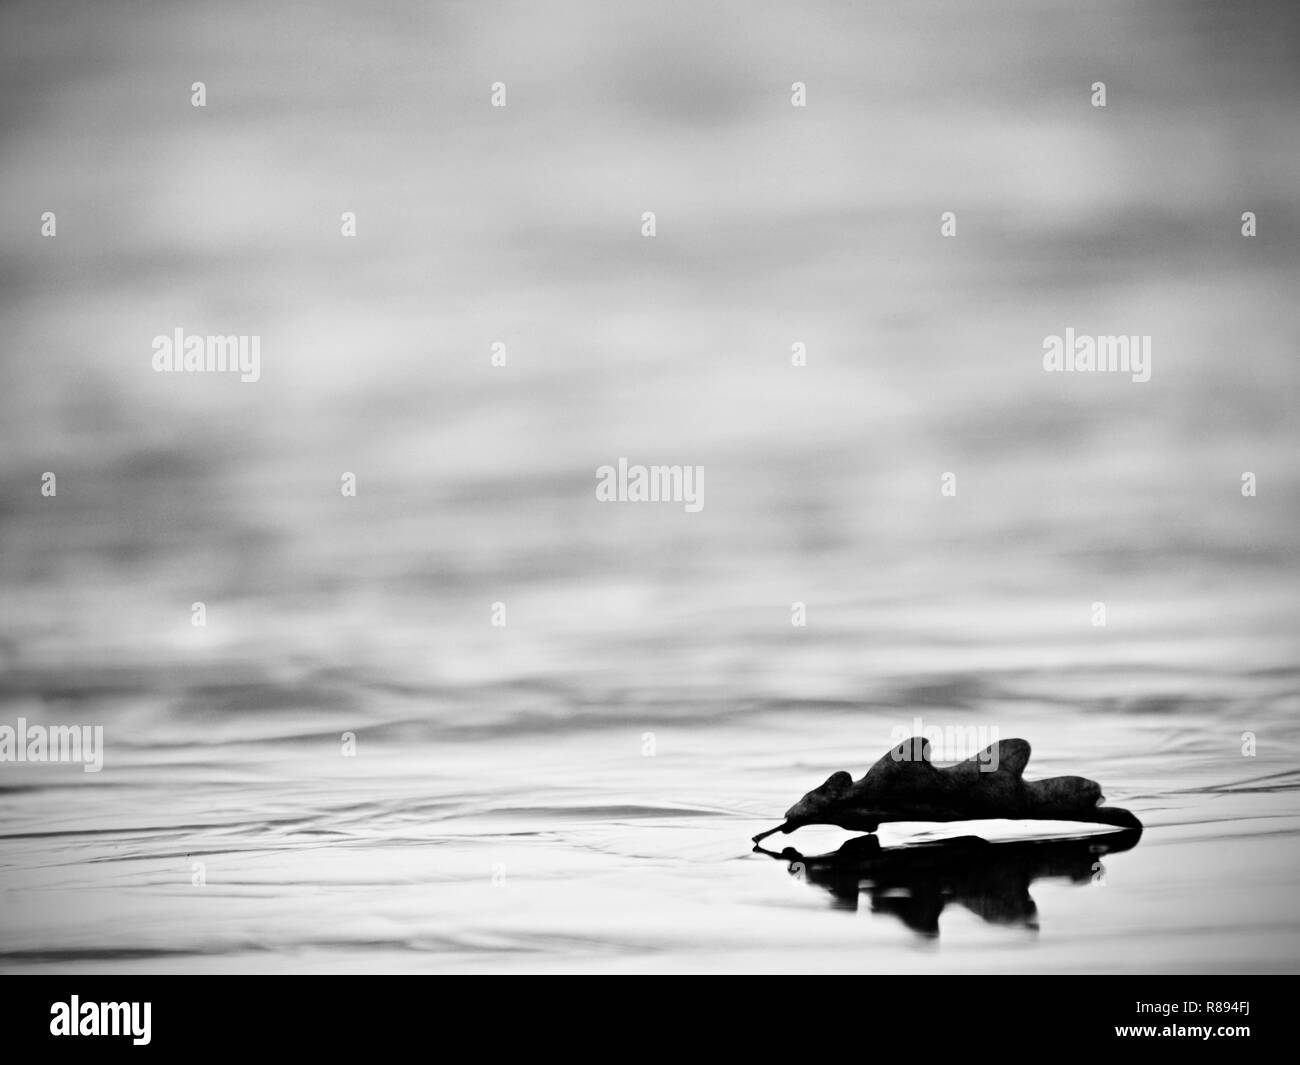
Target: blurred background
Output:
{"points": [[475, 484]]}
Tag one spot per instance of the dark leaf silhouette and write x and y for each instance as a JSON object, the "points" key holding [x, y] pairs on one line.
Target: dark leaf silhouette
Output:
{"points": [[905, 786]]}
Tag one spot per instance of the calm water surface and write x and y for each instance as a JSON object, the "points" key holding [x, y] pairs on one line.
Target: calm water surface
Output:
{"points": [[577, 790]]}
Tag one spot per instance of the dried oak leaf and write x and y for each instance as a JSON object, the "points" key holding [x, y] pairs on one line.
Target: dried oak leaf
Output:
{"points": [[905, 786]]}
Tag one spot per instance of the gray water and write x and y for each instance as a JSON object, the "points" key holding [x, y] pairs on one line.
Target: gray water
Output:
{"points": [[576, 790]]}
